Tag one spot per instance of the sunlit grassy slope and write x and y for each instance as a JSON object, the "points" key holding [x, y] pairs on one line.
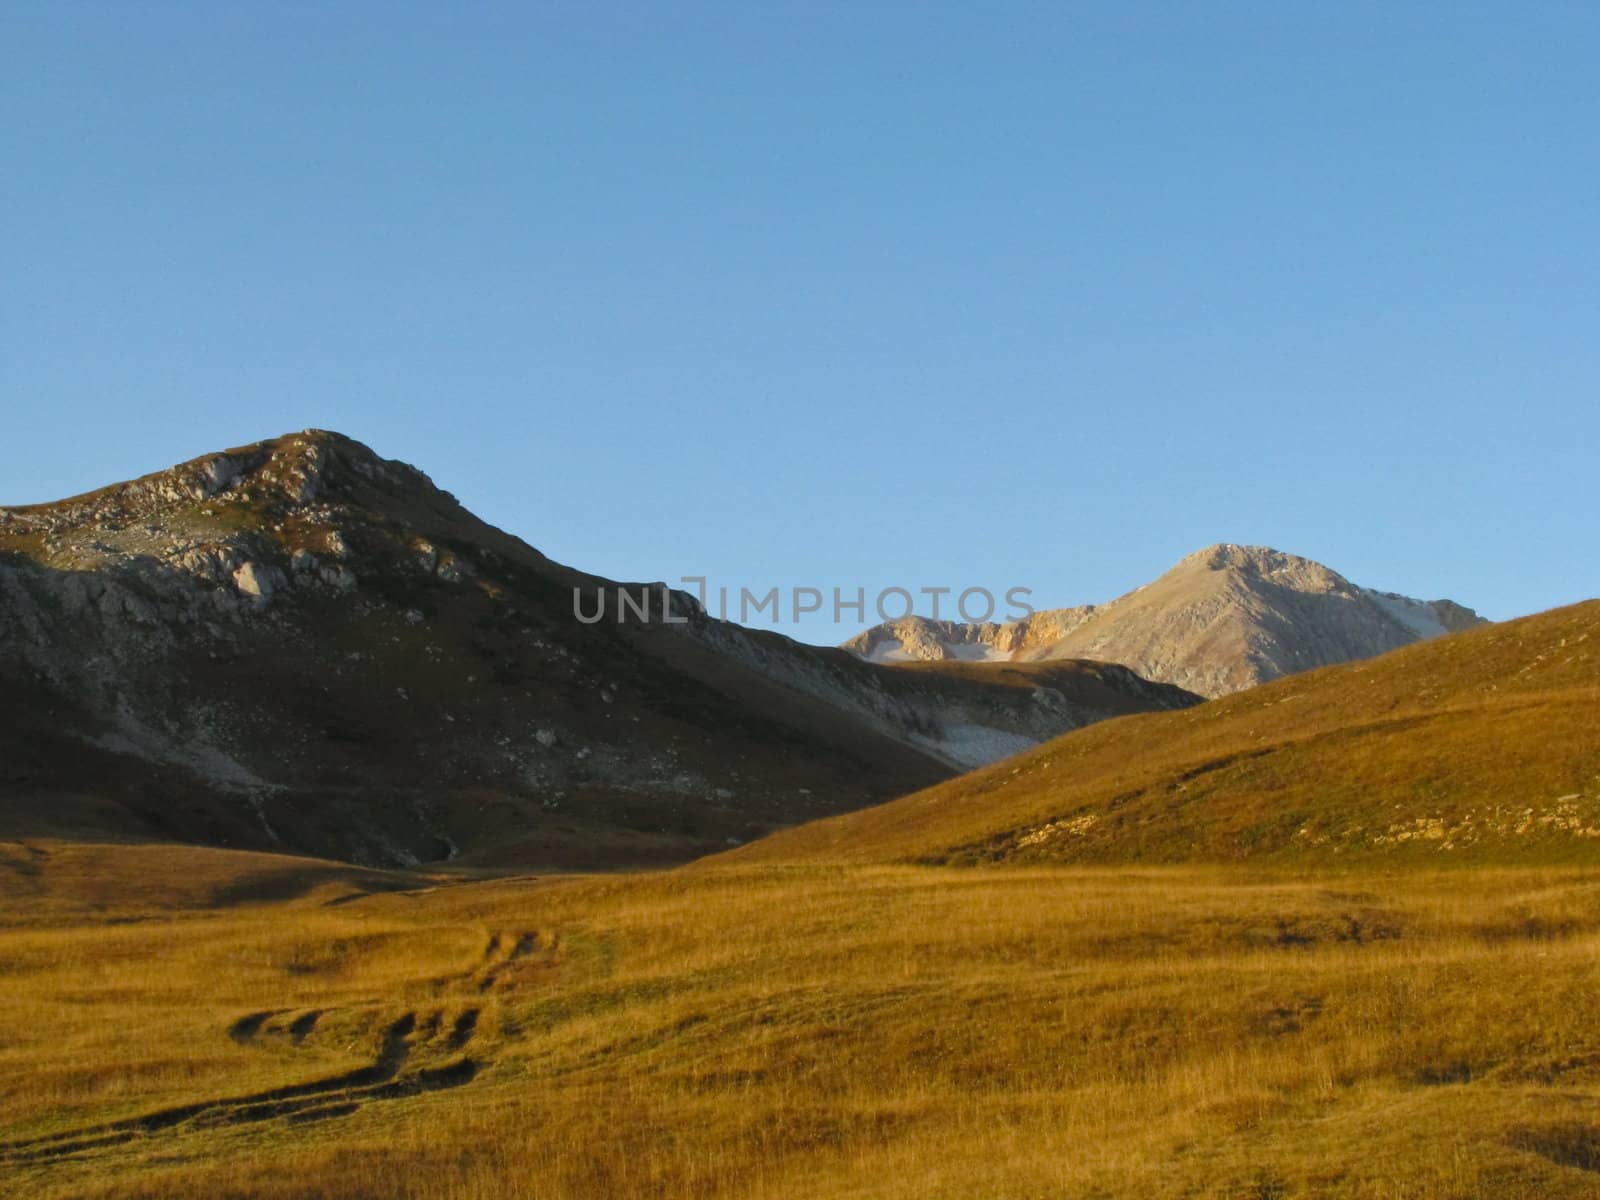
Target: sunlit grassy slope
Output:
{"points": [[1482, 747], [1325, 1008], [186, 1023]]}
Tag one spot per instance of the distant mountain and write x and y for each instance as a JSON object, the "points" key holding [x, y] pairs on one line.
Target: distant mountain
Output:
{"points": [[1479, 748], [298, 644], [1223, 619]]}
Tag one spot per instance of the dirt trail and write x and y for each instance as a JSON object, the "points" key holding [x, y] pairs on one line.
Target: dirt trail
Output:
{"points": [[392, 1074]]}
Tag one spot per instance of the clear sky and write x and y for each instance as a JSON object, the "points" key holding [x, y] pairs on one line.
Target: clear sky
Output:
{"points": [[838, 294]]}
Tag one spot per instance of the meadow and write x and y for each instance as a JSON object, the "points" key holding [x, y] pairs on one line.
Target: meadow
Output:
{"points": [[182, 1022]]}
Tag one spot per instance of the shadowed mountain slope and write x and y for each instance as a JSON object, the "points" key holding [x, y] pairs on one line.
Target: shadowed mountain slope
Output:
{"points": [[300, 645]]}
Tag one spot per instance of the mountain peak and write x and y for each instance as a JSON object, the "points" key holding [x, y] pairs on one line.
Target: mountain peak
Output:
{"points": [[238, 528], [271, 476], [1223, 618], [1263, 562], [299, 643]]}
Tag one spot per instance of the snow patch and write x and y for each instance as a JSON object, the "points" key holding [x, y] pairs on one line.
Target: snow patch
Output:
{"points": [[1415, 615], [976, 652], [976, 745], [891, 650]]}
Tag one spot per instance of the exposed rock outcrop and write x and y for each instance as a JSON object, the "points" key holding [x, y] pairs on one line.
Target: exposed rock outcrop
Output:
{"points": [[1224, 618]]}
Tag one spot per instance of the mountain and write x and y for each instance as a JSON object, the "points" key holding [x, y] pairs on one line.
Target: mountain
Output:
{"points": [[1482, 747], [1223, 619], [300, 645]]}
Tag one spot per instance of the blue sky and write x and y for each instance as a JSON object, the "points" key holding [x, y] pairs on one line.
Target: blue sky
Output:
{"points": [[838, 295]]}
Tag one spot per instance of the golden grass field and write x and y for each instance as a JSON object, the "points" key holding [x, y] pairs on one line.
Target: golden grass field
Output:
{"points": [[180, 1022], [1482, 748], [1007, 986]]}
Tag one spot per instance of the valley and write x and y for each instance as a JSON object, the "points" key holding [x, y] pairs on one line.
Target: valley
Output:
{"points": [[245, 1025], [337, 859], [714, 601]]}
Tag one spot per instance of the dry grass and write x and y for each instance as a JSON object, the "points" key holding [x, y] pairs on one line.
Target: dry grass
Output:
{"points": [[794, 1032], [803, 1019], [1479, 748]]}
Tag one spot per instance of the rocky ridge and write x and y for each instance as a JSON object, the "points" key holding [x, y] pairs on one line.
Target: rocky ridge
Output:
{"points": [[300, 644], [1225, 618]]}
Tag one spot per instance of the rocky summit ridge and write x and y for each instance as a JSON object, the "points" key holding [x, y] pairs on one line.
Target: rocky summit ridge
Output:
{"points": [[222, 532], [1224, 618]]}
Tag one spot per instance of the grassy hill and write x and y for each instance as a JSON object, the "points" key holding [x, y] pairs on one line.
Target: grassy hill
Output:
{"points": [[1480, 747]]}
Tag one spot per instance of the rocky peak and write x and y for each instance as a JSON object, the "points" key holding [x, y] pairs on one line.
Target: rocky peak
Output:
{"points": [[1223, 618], [272, 477], [1265, 563], [238, 530]]}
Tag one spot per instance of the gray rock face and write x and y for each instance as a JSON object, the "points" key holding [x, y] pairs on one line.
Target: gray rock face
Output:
{"points": [[255, 581], [215, 476], [339, 577], [1225, 618]]}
